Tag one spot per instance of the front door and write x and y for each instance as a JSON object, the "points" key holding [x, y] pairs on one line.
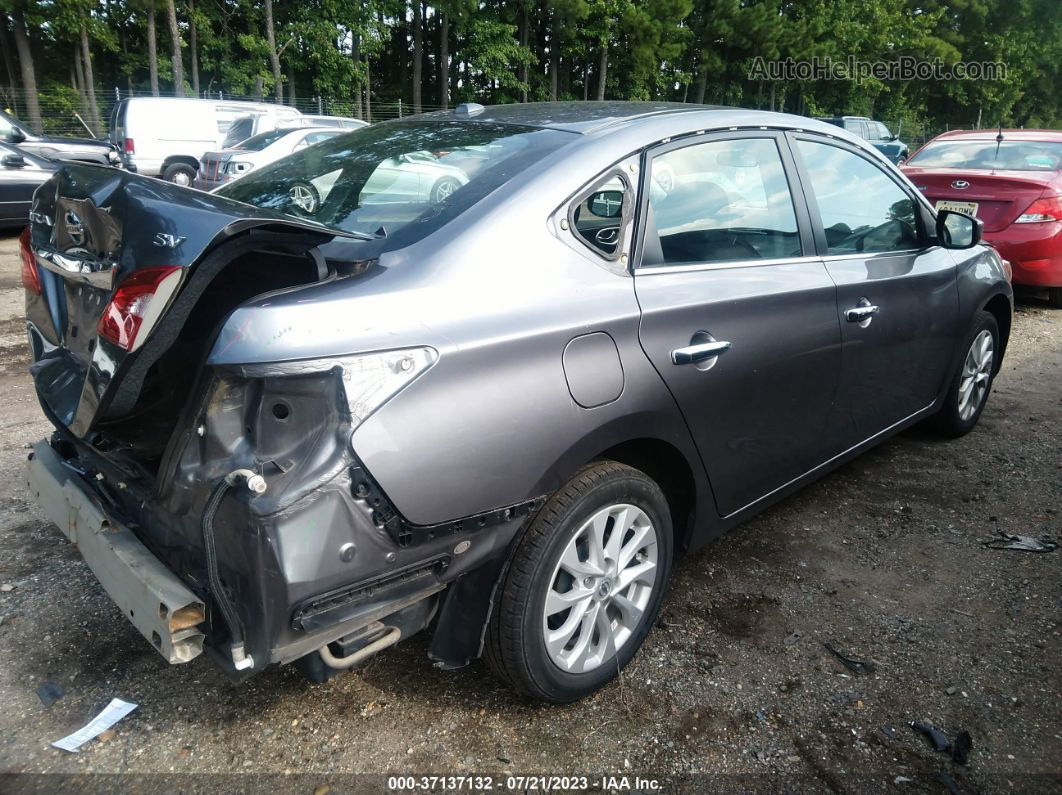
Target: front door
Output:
{"points": [[896, 295], [738, 316]]}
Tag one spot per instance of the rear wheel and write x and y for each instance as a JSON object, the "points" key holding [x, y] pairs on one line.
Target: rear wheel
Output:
{"points": [[584, 585], [179, 174], [1054, 297], [969, 388]]}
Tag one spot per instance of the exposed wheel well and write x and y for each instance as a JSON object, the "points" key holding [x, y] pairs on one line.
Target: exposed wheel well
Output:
{"points": [[999, 306], [669, 468], [186, 160]]}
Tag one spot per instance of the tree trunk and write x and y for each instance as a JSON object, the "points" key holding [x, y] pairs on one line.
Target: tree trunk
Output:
{"points": [[29, 74], [773, 85], [90, 82], [9, 62], [153, 53], [418, 52], [291, 85], [701, 85], [79, 82], [602, 71], [274, 59], [193, 46], [175, 44], [523, 43], [444, 60], [259, 90], [554, 58], [355, 56], [368, 90]]}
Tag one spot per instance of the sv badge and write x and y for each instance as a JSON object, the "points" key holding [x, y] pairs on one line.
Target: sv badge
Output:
{"points": [[164, 240]]}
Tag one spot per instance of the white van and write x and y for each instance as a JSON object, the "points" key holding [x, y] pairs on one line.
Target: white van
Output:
{"points": [[164, 137]]}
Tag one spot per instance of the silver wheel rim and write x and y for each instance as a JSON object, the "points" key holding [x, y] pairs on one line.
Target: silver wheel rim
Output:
{"points": [[303, 198], [976, 373], [600, 588], [182, 178], [444, 190]]}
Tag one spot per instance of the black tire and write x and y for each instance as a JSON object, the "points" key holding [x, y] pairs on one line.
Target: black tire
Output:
{"points": [[515, 647], [949, 420], [1054, 297], [179, 174]]}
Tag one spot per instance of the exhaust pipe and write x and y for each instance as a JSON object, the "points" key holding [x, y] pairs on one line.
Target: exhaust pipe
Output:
{"points": [[390, 637]]}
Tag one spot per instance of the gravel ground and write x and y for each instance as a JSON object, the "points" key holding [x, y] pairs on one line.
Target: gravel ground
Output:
{"points": [[733, 690]]}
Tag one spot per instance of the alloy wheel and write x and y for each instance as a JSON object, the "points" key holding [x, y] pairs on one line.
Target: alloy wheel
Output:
{"points": [[600, 588], [976, 374]]}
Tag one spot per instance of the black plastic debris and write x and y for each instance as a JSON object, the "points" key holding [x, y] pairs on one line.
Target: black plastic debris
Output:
{"points": [[1021, 543], [960, 747], [49, 693], [949, 783], [936, 736], [855, 666], [890, 731]]}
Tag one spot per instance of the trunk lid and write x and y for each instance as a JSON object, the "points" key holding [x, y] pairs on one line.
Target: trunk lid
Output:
{"points": [[96, 230], [1001, 196]]}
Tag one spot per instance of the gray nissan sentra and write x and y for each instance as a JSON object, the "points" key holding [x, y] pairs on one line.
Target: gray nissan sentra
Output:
{"points": [[486, 373]]}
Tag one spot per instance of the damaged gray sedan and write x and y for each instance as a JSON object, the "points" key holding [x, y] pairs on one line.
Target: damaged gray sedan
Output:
{"points": [[493, 394]]}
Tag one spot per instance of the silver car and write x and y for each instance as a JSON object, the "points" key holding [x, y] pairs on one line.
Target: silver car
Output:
{"points": [[294, 431]]}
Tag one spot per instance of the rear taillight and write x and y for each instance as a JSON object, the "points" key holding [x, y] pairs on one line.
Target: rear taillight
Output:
{"points": [[130, 147], [1042, 211], [137, 304], [31, 277]]}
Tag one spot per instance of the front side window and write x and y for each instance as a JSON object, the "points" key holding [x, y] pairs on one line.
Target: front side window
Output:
{"points": [[862, 209], [720, 201]]}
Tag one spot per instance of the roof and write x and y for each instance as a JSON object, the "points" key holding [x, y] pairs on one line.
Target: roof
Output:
{"points": [[578, 117], [1008, 135]]}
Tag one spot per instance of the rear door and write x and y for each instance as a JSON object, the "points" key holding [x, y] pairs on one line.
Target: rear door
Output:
{"points": [[896, 293], [739, 316]]}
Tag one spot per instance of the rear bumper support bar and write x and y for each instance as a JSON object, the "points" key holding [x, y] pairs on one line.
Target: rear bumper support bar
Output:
{"points": [[154, 600]]}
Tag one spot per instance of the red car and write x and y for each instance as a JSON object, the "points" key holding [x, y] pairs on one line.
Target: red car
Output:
{"points": [[1013, 184]]}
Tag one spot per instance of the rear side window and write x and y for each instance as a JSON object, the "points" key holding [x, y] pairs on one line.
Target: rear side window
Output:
{"points": [[862, 209], [239, 130], [720, 201]]}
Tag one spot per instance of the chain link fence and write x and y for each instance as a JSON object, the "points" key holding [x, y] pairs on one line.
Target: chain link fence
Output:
{"points": [[65, 111]]}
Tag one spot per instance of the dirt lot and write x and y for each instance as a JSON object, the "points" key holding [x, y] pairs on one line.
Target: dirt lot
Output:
{"points": [[733, 690]]}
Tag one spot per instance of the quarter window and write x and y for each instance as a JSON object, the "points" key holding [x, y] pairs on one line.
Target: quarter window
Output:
{"points": [[598, 217], [720, 201], [862, 209]]}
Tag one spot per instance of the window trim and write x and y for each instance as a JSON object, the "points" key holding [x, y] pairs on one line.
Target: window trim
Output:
{"points": [[926, 239], [623, 219], [800, 207]]}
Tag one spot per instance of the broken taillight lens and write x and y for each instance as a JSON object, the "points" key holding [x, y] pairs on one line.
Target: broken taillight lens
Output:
{"points": [[137, 304], [31, 277]]}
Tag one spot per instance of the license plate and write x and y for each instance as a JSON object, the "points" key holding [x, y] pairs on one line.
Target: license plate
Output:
{"points": [[966, 208]]}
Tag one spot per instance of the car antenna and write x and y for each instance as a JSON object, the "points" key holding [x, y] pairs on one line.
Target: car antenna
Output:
{"points": [[999, 140]]}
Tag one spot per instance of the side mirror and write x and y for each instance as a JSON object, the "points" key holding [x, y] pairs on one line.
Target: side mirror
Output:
{"points": [[13, 161], [606, 203], [957, 230], [16, 136]]}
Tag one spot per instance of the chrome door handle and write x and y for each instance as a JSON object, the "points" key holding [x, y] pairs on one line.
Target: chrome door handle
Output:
{"points": [[699, 353], [859, 313]]}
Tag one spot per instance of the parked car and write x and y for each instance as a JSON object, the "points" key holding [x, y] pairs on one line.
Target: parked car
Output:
{"points": [[1013, 184], [252, 124], [334, 121], [503, 415], [217, 168], [21, 173], [163, 137], [880, 137], [54, 147]]}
